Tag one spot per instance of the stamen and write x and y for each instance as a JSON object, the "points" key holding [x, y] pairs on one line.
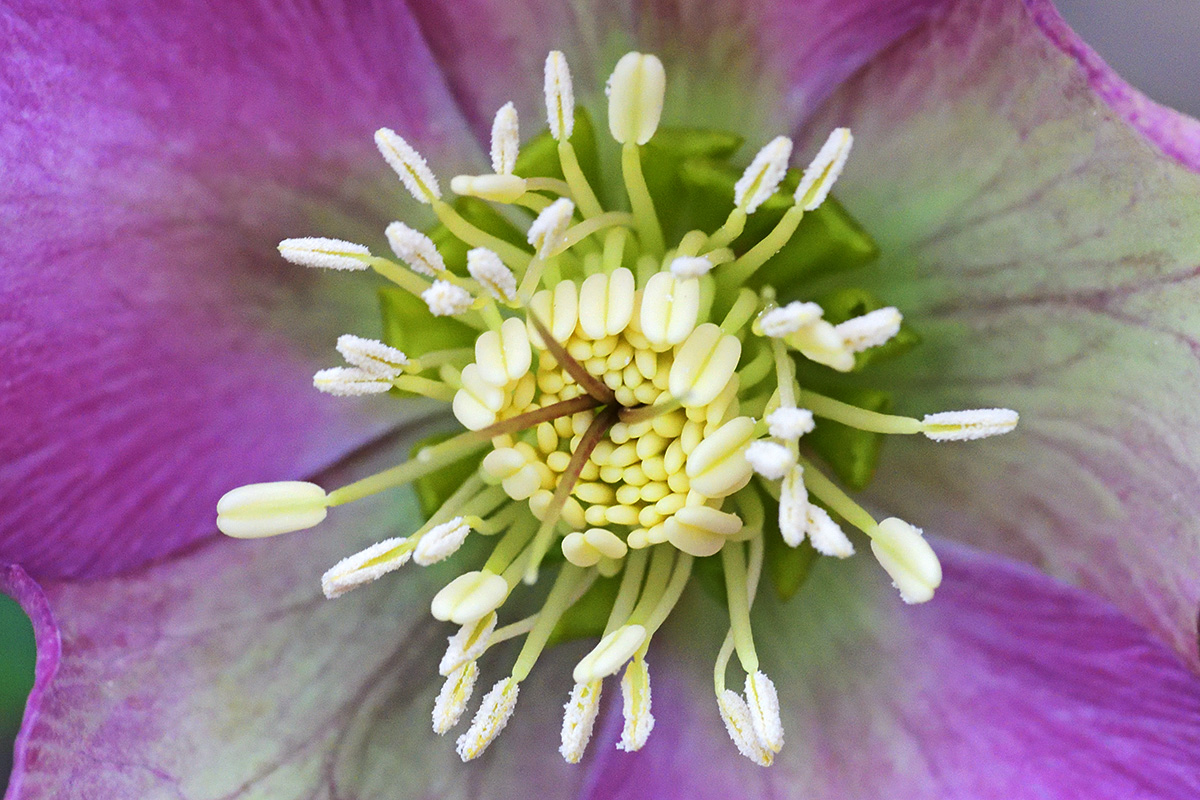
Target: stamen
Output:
{"points": [[560, 97], [794, 512], [445, 299], [762, 177], [780, 322], [350, 382], [827, 536], [549, 230], [717, 467], [824, 170], [733, 559], [409, 165], [738, 722], [563, 594], [366, 566], [579, 719], [469, 596], [763, 703], [497, 188], [902, 551], [415, 249], [789, 424], [468, 644], [452, 700], [670, 308], [635, 694], [506, 138], [372, 355], [441, 542], [870, 330], [493, 714], [690, 266], [770, 459], [315, 251], [961, 426], [704, 365], [635, 98], [610, 654], [269, 509]]}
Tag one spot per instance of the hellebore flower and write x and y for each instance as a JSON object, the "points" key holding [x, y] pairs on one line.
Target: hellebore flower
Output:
{"points": [[1035, 216]]}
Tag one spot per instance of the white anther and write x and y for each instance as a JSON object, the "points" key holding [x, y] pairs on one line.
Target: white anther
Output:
{"points": [[366, 566], [445, 299], [690, 266], [469, 596], [770, 459], [736, 714], [497, 188], [372, 355], [415, 249], [452, 700], [441, 542], [701, 531], [408, 164], [610, 654], [827, 536], [961, 426], [870, 330], [350, 382], [314, 251], [506, 139], [635, 97], [717, 466], [824, 170], [579, 717], [487, 268], [548, 231], [269, 509], [789, 424], [670, 308], [560, 97], [467, 644], [493, 714], [635, 693], [763, 704], [704, 365], [779, 322], [903, 552], [762, 177], [793, 507]]}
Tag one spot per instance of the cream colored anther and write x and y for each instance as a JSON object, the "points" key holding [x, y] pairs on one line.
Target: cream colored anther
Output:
{"points": [[635, 98], [704, 365], [670, 307], [762, 701], [476, 404], [503, 355], [820, 342], [579, 718], [558, 309], [736, 714], [909, 560], [468, 644], [635, 694], [606, 303], [717, 467], [469, 597], [610, 654], [701, 531], [269, 509], [586, 549], [452, 700], [497, 188]]}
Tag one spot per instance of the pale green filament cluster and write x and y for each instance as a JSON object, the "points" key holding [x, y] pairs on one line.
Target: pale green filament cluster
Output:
{"points": [[631, 405]]}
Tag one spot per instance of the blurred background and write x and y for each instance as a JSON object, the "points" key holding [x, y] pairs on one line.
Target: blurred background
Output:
{"points": [[1154, 44]]}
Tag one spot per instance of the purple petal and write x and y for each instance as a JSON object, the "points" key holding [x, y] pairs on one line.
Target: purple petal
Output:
{"points": [[156, 349], [1048, 252], [1007, 685], [224, 673]]}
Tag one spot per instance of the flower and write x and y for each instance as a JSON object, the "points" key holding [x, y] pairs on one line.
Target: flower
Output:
{"points": [[217, 683]]}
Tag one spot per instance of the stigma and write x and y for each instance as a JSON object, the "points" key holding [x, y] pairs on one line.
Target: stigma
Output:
{"points": [[634, 399]]}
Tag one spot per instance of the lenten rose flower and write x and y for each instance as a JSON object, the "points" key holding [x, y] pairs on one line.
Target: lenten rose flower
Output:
{"points": [[1036, 216]]}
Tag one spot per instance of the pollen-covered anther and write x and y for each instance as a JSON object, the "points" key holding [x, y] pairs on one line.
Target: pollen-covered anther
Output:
{"points": [[770, 459], [493, 714], [785, 320], [827, 536], [445, 299], [321, 253], [788, 423], [962, 426], [610, 654], [793, 507], [468, 597], [350, 382], [823, 172], [635, 97], [736, 714], [269, 509], [560, 97], [635, 696], [409, 165], [763, 704], [415, 249], [902, 551], [366, 566], [497, 188], [690, 266], [467, 644], [548, 232], [762, 177], [441, 542], [489, 271], [506, 139], [452, 700], [869, 330], [372, 356], [579, 718]]}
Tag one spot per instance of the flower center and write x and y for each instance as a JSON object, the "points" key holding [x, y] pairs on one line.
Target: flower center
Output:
{"points": [[636, 399]]}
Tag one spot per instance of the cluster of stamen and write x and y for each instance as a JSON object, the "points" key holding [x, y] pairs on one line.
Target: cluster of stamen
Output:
{"points": [[632, 403]]}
